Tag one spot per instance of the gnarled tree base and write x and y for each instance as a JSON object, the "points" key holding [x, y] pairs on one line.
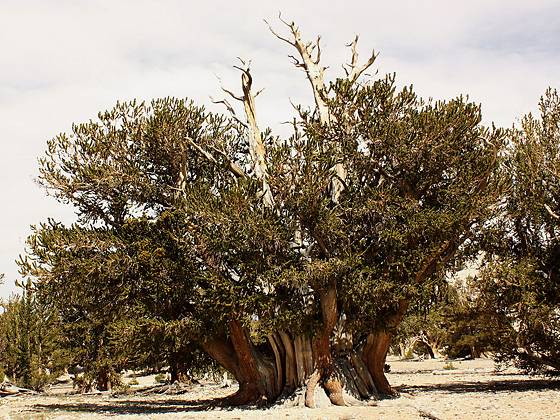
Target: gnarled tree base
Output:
{"points": [[291, 370]]}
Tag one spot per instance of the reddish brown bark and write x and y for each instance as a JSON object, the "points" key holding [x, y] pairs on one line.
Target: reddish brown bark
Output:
{"points": [[222, 351], [255, 383], [322, 351], [235, 354], [374, 356], [377, 345], [292, 362]]}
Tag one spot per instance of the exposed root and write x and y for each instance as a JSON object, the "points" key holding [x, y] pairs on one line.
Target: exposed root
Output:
{"points": [[310, 389], [335, 391], [295, 398], [245, 395]]}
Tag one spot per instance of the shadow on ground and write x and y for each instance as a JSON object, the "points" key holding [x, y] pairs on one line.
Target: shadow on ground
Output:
{"points": [[511, 385], [146, 407], [121, 407]]}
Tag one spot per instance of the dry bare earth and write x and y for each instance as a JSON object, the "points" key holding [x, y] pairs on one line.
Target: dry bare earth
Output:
{"points": [[473, 390]]}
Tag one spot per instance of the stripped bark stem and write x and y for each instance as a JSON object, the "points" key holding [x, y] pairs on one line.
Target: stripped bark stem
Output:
{"points": [[230, 110], [353, 70], [310, 54], [309, 60], [549, 210], [231, 165], [256, 145]]}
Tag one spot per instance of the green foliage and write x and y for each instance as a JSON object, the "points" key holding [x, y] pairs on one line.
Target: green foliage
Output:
{"points": [[422, 179], [160, 378], [32, 352], [455, 324], [173, 240], [519, 286], [166, 265]]}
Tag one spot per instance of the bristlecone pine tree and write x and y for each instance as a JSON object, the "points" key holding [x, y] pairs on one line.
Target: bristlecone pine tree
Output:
{"points": [[519, 287], [289, 262], [32, 353], [454, 324]]}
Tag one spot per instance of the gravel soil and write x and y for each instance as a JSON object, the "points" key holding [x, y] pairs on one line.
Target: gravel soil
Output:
{"points": [[433, 389]]}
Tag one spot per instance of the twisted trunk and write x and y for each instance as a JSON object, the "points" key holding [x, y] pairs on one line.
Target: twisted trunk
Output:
{"points": [[374, 353], [288, 364], [325, 371], [374, 356]]}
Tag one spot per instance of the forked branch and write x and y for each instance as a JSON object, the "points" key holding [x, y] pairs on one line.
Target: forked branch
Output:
{"points": [[353, 70], [309, 61], [256, 145], [231, 165]]}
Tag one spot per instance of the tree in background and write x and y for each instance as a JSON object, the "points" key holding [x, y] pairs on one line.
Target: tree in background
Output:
{"points": [[289, 262], [32, 352], [455, 324], [520, 284]]}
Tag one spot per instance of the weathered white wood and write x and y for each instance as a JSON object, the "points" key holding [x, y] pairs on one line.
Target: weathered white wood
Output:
{"points": [[307, 355], [353, 70], [309, 61], [232, 166], [256, 145], [291, 370], [300, 366], [311, 65], [278, 361]]}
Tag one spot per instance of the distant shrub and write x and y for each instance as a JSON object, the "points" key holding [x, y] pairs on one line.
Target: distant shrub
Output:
{"points": [[161, 378], [449, 366]]}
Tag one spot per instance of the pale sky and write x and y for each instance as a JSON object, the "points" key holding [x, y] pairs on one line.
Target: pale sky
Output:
{"points": [[63, 61]]}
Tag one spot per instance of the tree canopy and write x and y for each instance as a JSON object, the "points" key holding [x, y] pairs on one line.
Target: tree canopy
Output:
{"points": [[518, 287], [290, 262]]}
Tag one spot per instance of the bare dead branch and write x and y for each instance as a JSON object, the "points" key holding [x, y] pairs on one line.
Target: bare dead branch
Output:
{"points": [[232, 166], [275, 33], [244, 63], [203, 152], [230, 109], [225, 103], [310, 62], [296, 62], [318, 45], [549, 210], [234, 96], [256, 145], [353, 70]]}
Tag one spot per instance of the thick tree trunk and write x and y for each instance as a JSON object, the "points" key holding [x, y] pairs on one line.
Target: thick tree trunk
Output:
{"points": [[323, 367], [293, 362], [435, 351], [290, 363], [374, 355], [377, 345], [252, 385]]}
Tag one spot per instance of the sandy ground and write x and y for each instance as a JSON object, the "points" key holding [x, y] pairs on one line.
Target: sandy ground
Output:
{"points": [[471, 390]]}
